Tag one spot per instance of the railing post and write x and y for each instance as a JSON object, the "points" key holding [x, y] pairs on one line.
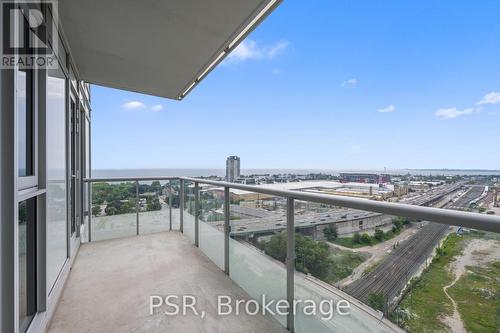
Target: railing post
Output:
{"points": [[227, 228], [137, 207], [90, 211], [290, 262], [196, 213], [181, 205], [170, 204]]}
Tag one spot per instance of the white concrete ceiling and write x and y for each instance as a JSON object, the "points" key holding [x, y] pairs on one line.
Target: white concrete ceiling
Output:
{"points": [[157, 47]]}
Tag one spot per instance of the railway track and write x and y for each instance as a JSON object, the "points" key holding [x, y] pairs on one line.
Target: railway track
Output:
{"points": [[392, 274], [466, 199]]}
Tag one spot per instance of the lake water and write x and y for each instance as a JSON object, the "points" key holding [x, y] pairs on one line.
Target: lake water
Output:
{"points": [[99, 173]]}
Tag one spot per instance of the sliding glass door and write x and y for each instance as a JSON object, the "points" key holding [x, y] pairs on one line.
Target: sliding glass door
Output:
{"points": [[57, 241]]}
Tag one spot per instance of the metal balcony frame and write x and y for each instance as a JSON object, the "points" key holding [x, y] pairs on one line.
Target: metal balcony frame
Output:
{"points": [[444, 216]]}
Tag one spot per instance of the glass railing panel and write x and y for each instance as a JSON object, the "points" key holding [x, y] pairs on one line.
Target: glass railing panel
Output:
{"points": [[154, 209], [211, 223], [174, 187], [457, 289], [113, 210], [396, 273], [84, 227], [255, 219], [326, 262], [189, 211]]}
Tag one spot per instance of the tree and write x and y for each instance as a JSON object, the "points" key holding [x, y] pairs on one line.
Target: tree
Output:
{"points": [[110, 210], [366, 239], [330, 232], [153, 204], [379, 235], [376, 301], [276, 247], [398, 224], [96, 210], [356, 238], [155, 187], [311, 256]]}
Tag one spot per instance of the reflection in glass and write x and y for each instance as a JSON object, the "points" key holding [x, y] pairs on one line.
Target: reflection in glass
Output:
{"points": [[211, 224], [84, 226], [56, 175], [189, 211], [24, 123], [27, 263]]}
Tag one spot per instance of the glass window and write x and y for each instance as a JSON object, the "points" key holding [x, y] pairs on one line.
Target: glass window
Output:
{"points": [[56, 175], [27, 262], [25, 123], [86, 157]]}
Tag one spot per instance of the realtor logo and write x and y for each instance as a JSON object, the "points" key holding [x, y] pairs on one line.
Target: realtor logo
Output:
{"points": [[29, 34]]}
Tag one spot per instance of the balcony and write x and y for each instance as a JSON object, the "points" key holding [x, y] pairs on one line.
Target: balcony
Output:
{"points": [[189, 236], [111, 282]]}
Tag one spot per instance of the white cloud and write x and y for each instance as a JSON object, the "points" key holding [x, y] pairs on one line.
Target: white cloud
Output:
{"points": [[494, 113], [276, 71], [134, 105], [276, 48], [491, 98], [249, 49], [351, 83], [451, 113], [388, 109], [157, 107], [246, 50]]}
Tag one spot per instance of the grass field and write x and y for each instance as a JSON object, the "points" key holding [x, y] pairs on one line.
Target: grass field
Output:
{"points": [[477, 293], [351, 242], [426, 301], [344, 262]]}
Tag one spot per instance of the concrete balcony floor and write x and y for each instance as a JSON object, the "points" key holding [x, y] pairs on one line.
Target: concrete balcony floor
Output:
{"points": [[111, 282]]}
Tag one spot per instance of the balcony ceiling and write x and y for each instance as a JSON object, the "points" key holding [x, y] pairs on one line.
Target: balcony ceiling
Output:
{"points": [[157, 47]]}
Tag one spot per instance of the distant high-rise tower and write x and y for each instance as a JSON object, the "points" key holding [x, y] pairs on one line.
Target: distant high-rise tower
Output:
{"points": [[232, 168]]}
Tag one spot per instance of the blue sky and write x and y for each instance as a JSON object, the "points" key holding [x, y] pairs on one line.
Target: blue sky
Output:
{"points": [[328, 85]]}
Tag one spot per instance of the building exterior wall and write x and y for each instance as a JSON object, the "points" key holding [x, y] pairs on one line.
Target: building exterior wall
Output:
{"points": [[52, 246], [368, 225], [232, 168], [370, 178]]}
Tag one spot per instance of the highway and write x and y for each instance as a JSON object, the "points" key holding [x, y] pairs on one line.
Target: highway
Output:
{"points": [[271, 224], [256, 220], [391, 275]]}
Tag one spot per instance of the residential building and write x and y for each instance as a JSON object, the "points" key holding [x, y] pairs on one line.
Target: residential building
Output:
{"points": [[232, 168]]}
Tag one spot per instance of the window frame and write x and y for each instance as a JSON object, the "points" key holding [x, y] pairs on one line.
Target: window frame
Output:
{"points": [[29, 181]]}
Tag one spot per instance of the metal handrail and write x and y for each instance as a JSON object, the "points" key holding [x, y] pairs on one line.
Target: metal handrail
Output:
{"points": [[438, 215], [127, 179], [443, 216]]}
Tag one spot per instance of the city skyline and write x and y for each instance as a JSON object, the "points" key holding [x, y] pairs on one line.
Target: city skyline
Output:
{"points": [[375, 92]]}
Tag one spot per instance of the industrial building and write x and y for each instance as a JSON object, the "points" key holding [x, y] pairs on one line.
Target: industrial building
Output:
{"points": [[370, 178]]}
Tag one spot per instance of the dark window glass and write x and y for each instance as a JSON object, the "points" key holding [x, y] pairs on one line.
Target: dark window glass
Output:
{"points": [[27, 262], [25, 122]]}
